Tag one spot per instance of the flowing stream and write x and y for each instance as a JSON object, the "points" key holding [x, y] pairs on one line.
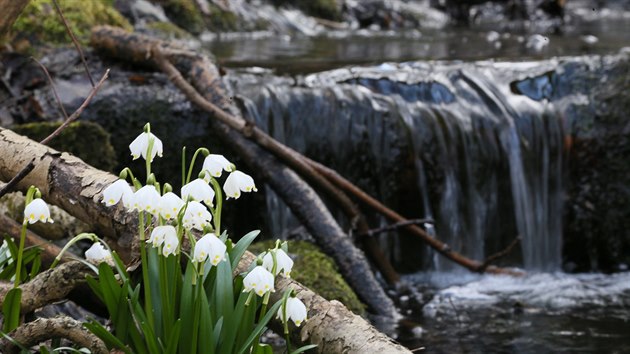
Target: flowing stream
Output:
{"points": [[478, 146]]}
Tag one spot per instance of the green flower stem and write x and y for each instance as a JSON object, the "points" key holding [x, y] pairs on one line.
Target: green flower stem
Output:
{"points": [[183, 165], [82, 236], [18, 266], [261, 315], [192, 164], [145, 271], [148, 159], [217, 211]]}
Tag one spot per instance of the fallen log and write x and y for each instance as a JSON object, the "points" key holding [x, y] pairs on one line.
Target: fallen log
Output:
{"points": [[62, 178]]}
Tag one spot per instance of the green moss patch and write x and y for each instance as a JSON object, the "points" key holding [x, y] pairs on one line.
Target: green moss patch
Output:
{"points": [[39, 21], [328, 9], [86, 140], [318, 272]]}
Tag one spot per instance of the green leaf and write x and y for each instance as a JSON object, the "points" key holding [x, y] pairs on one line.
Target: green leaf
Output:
{"points": [[109, 339], [260, 327], [173, 339], [37, 263], [11, 309], [241, 246], [264, 349]]}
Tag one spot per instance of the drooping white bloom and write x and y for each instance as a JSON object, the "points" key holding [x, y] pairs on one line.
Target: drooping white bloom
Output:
{"points": [[296, 311], [97, 254], [170, 244], [209, 246], [37, 210], [160, 233], [196, 216], [238, 182], [146, 198], [117, 190], [169, 205], [198, 190], [214, 164], [140, 146], [284, 263], [260, 280]]}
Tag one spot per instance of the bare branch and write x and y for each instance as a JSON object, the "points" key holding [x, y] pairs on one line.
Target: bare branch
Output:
{"points": [[29, 167], [500, 254], [74, 40], [52, 86], [42, 329], [397, 225]]}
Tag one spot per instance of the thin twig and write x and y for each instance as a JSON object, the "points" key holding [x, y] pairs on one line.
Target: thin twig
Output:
{"points": [[500, 254], [397, 225], [52, 86], [74, 40], [29, 167], [79, 110]]}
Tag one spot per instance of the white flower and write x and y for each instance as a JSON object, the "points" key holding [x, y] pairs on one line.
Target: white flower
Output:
{"points": [[170, 244], [283, 262], [117, 190], [198, 190], [37, 210], [196, 216], [213, 164], [169, 205], [236, 182], [97, 254], [209, 246], [296, 311], [260, 280], [160, 233], [146, 198], [140, 146]]}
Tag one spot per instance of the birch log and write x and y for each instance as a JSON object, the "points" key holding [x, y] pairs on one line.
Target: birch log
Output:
{"points": [[70, 183]]}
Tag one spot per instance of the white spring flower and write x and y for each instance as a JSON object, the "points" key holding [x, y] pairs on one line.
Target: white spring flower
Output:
{"points": [[296, 311], [140, 145], [170, 244], [116, 191], [260, 280], [97, 254], [209, 246], [160, 233], [196, 216], [37, 210], [214, 164], [198, 190], [146, 198], [169, 205], [284, 263], [238, 182]]}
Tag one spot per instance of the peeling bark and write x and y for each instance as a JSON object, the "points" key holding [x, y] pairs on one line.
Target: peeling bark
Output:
{"points": [[42, 329]]}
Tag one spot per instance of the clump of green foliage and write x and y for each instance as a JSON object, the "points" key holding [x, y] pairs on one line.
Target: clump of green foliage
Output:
{"points": [[39, 21], [318, 272], [183, 13], [86, 140]]}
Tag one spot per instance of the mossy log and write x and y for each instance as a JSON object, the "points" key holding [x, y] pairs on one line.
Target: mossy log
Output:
{"points": [[70, 183]]}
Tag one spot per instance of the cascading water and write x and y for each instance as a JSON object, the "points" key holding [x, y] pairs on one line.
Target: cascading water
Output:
{"points": [[450, 142]]}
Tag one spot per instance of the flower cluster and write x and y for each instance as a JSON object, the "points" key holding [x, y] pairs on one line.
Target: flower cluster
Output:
{"points": [[193, 208]]}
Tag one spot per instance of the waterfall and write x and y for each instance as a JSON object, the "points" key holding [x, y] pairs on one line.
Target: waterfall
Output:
{"points": [[451, 142]]}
